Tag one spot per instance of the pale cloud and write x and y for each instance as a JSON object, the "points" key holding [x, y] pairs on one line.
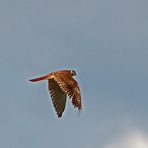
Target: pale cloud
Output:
{"points": [[133, 139]]}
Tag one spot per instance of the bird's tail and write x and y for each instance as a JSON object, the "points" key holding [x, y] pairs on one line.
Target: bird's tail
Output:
{"points": [[45, 77]]}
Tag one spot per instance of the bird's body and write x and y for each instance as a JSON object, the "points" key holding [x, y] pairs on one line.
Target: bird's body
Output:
{"points": [[61, 84]]}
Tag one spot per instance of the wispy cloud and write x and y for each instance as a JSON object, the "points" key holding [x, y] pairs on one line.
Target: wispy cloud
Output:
{"points": [[132, 139]]}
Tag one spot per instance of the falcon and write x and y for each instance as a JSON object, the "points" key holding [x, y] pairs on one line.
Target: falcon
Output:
{"points": [[60, 85]]}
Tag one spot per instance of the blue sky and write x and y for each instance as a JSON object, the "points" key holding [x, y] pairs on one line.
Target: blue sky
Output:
{"points": [[106, 42]]}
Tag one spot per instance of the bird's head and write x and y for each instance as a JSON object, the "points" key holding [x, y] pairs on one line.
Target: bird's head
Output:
{"points": [[73, 73]]}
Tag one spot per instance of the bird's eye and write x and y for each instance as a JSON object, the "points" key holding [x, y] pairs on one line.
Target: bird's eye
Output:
{"points": [[73, 72]]}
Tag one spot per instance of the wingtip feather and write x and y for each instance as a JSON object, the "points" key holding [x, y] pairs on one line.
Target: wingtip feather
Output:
{"points": [[39, 78]]}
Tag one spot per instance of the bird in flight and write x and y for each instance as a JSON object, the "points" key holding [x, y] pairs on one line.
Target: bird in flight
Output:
{"points": [[62, 84]]}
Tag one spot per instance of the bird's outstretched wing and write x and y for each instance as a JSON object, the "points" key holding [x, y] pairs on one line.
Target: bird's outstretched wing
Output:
{"points": [[58, 96], [45, 77], [71, 88]]}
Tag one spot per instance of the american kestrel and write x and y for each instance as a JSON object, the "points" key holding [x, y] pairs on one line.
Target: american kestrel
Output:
{"points": [[60, 84]]}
